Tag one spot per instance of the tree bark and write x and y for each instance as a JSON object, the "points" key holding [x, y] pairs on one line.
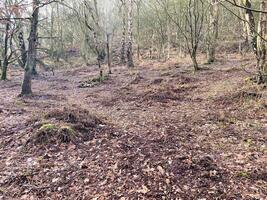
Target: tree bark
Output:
{"points": [[194, 60], [123, 39], [130, 62], [108, 53], [31, 55], [23, 51], [262, 47], [213, 30], [138, 28], [5, 61], [251, 26]]}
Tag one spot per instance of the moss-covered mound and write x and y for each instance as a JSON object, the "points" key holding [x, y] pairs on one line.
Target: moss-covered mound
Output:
{"points": [[65, 125]]}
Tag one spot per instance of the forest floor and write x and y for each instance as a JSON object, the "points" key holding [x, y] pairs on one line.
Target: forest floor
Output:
{"points": [[157, 131]]}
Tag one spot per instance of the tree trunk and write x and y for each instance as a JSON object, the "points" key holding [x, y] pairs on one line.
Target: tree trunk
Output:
{"points": [[251, 26], [193, 56], [245, 29], [138, 29], [31, 55], [123, 39], [4, 70], [151, 49], [169, 32], [213, 30], [130, 62], [262, 47], [5, 62], [23, 51], [196, 68], [108, 53]]}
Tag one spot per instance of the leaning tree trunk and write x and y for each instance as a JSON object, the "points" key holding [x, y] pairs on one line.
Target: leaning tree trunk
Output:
{"points": [[130, 62], [31, 55], [261, 43], [213, 30], [5, 62]]}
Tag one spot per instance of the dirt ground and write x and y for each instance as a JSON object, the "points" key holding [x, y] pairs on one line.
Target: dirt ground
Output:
{"points": [[157, 131]]}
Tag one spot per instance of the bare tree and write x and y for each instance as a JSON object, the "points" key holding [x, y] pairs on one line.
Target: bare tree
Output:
{"points": [[213, 30], [261, 43], [191, 28], [130, 62], [31, 54], [123, 38]]}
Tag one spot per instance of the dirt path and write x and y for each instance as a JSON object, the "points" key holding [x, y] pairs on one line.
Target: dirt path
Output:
{"points": [[171, 134]]}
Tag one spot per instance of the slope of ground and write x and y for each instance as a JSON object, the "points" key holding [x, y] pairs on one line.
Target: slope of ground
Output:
{"points": [[158, 131]]}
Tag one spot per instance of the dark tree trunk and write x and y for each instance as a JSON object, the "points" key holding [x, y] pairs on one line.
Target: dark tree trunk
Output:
{"points": [[5, 62], [31, 55], [23, 51], [193, 56]]}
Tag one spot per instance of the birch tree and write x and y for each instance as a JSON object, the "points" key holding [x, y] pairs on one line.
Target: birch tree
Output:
{"points": [[130, 62]]}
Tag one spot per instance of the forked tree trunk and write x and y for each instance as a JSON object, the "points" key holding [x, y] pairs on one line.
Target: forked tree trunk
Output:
{"points": [[261, 43], [213, 30], [130, 62], [31, 55]]}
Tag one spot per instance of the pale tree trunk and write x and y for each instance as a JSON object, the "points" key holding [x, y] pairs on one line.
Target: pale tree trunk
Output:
{"points": [[31, 55], [168, 39], [130, 62], [52, 49], [245, 29], [168, 24], [261, 43], [151, 48], [251, 26], [123, 39], [213, 30], [108, 53], [138, 28]]}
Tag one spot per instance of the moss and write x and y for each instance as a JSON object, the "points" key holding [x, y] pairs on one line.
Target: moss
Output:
{"points": [[48, 127], [243, 174]]}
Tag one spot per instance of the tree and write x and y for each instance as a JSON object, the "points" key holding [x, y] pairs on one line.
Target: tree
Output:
{"points": [[261, 43], [123, 37], [191, 27], [31, 54], [257, 37], [130, 62], [213, 30], [10, 10]]}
